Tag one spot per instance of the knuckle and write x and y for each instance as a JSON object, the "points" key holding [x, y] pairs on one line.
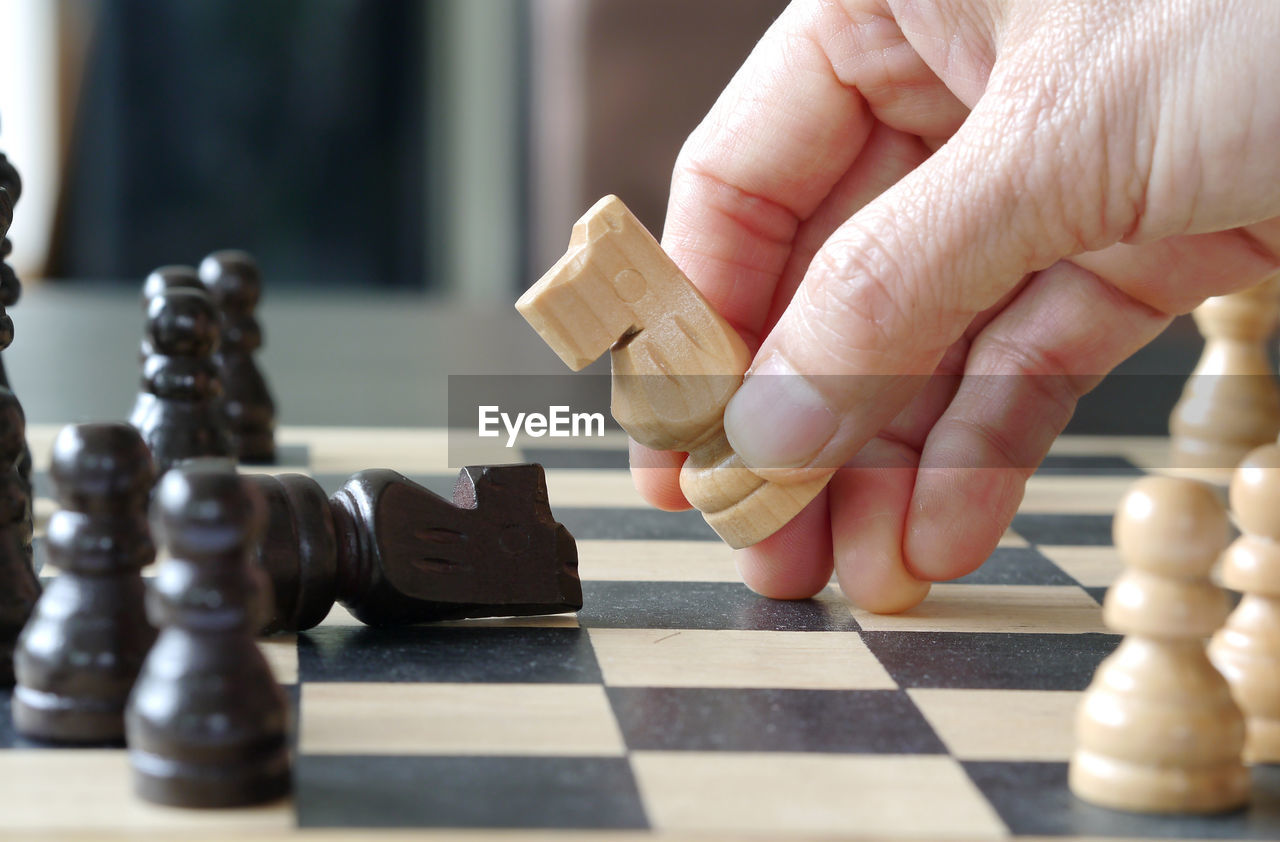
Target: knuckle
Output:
{"points": [[859, 295], [1041, 376]]}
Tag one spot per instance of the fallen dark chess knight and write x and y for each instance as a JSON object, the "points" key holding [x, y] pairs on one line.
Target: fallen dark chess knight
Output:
{"points": [[395, 553]]}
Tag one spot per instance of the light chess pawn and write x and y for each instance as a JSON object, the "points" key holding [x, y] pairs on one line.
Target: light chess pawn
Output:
{"points": [[1247, 648], [1157, 730]]}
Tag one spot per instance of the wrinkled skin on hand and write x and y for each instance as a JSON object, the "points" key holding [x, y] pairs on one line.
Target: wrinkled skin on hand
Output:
{"points": [[960, 188]]}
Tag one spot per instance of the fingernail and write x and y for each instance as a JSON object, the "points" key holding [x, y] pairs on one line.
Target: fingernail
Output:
{"points": [[777, 419]]}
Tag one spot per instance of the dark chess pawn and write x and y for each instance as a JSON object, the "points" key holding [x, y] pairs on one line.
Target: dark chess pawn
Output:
{"points": [[81, 650], [10, 286], [160, 280], [233, 280], [10, 290], [9, 178], [206, 723], [395, 553], [185, 419], [19, 588]]}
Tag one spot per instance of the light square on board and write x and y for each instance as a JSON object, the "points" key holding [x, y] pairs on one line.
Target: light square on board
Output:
{"points": [[567, 487], [788, 795], [585, 454], [656, 561], [40, 440], [291, 458], [735, 658], [1093, 567], [1012, 539], [1061, 609], [458, 719], [1001, 724], [350, 449], [281, 652], [1053, 493], [91, 789]]}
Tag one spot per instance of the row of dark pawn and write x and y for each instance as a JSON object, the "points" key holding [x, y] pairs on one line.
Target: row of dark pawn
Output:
{"points": [[205, 721], [202, 392], [203, 717]]}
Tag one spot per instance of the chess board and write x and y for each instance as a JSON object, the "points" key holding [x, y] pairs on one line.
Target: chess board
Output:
{"points": [[677, 703]]}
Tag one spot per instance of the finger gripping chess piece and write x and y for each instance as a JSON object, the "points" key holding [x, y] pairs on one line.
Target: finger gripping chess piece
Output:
{"points": [[676, 364], [206, 722], [394, 552], [81, 650], [1231, 402], [19, 587], [233, 280], [1247, 648], [185, 418], [1157, 730]]}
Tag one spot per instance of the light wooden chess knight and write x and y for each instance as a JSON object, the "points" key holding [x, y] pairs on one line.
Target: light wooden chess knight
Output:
{"points": [[676, 364]]}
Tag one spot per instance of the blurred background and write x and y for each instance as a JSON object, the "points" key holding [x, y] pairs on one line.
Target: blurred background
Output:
{"points": [[437, 145], [402, 169]]}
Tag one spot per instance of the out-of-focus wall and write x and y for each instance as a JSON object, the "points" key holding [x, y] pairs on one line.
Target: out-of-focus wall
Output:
{"points": [[44, 42], [616, 87], [534, 108]]}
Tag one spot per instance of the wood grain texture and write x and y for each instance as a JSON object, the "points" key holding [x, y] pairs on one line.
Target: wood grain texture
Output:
{"points": [[207, 722], [80, 652], [235, 284], [676, 363], [1157, 730], [396, 553], [1247, 648], [1231, 403]]}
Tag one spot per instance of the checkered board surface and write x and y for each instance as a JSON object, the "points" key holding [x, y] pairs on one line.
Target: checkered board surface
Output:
{"points": [[677, 703]]}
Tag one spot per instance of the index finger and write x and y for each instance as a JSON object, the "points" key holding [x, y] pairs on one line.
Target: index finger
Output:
{"points": [[786, 130]]}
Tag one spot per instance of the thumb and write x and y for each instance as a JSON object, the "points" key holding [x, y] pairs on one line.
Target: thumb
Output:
{"points": [[896, 285]]}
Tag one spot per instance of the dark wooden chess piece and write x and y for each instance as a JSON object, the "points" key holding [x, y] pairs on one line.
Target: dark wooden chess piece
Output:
{"points": [[10, 292], [206, 723], [233, 280], [19, 588], [394, 552], [165, 278], [185, 418], [80, 652], [10, 286], [160, 280]]}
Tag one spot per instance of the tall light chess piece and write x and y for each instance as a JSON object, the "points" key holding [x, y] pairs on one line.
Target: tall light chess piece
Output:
{"points": [[1157, 730], [1231, 403], [1247, 648]]}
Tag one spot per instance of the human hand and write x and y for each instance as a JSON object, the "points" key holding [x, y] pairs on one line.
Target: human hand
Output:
{"points": [[942, 223]]}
